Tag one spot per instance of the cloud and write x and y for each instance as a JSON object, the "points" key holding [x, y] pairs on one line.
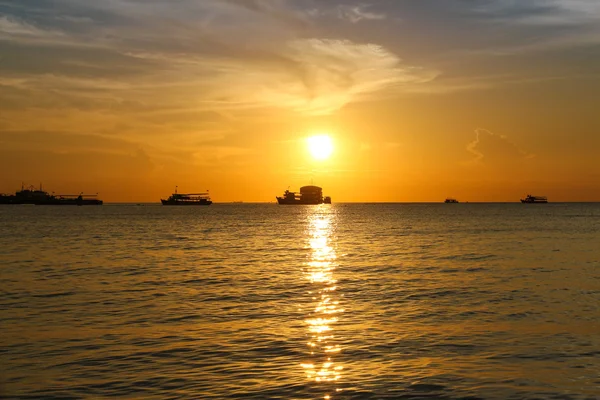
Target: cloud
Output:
{"points": [[543, 12], [197, 53], [306, 75], [306, 56], [326, 74], [130, 59], [491, 148], [539, 25], [14, 28], [357, 13], [275, 9], [11, 26]]}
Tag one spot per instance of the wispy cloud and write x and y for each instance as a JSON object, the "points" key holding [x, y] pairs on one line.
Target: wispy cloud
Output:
{"points": [[275, 9], [543, 24], [14, 28], [357, 13], [211, 62], [542, 12], [239, 54], [488, 147], [306, 75]]}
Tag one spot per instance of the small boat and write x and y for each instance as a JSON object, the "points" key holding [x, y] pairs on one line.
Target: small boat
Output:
{"points": [[534, 199], [450, 200], [187, 199], [307, 195]]}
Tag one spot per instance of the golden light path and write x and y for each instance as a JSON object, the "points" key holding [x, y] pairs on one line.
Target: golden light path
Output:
{"points": [[320, 323], [320, 146]]}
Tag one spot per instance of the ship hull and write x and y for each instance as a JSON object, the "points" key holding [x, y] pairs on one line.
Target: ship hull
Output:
{"points": [[42, 198], [534, 201], [52, 202], [296, 202], [69, 202], [8, 200], [185, 203]]}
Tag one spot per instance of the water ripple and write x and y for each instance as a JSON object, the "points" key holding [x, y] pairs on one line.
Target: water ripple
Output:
{"points": [[349, 301]]}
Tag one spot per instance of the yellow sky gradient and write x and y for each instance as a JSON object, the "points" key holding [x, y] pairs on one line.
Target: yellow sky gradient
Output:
{"points": [[423, 101]]}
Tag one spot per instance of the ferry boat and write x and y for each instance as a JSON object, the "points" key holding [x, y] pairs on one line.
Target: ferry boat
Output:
{"points": [[42, 198], [450, 200], [307, 195], [534, 199], [187, 199]]}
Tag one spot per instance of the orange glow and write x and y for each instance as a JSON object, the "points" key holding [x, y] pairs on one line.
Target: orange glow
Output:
{"points": [[285, 100]]}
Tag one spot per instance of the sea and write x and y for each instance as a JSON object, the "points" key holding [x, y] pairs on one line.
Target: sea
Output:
{"points": [[260, 301]]}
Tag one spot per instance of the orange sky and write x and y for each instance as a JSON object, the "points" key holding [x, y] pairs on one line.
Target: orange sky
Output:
{"points": [[482, 101]]}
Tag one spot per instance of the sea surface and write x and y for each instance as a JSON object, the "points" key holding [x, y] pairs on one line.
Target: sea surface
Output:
{"points": [[342, 301]]}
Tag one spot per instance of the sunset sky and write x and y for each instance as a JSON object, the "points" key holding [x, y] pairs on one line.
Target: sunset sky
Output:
{"points": [[422, 100]]}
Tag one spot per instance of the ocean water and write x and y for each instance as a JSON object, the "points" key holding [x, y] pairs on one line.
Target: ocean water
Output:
{"points": [[342, 301]]}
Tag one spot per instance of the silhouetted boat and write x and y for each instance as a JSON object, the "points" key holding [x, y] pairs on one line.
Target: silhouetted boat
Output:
{"points": [[534, 199], [187, 199], [450, 200], [72, 200], [42, 198], [7, 198], [307, 195]]}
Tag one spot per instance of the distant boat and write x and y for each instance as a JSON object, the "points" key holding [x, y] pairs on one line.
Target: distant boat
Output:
{"points": [[534, 199], [307, 195], [42, 198], [72, 200], [187, 199], [450, 200]]}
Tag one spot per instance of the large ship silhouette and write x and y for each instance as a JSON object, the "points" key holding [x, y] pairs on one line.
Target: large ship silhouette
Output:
{"points": [[308, 195], [42, 198]]}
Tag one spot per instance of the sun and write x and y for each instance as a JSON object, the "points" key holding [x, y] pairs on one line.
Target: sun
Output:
{"points": [[320, 146]]}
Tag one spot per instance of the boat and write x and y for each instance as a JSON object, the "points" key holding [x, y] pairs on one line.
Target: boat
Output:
{"points": [[42, 198], [534, 199], [450, 200], [307, 195], [7, 198], [26, 196], [187, 199], [72, 200]]}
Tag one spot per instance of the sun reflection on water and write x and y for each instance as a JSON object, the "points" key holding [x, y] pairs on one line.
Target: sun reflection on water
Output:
{"points": [[320, 322]]}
